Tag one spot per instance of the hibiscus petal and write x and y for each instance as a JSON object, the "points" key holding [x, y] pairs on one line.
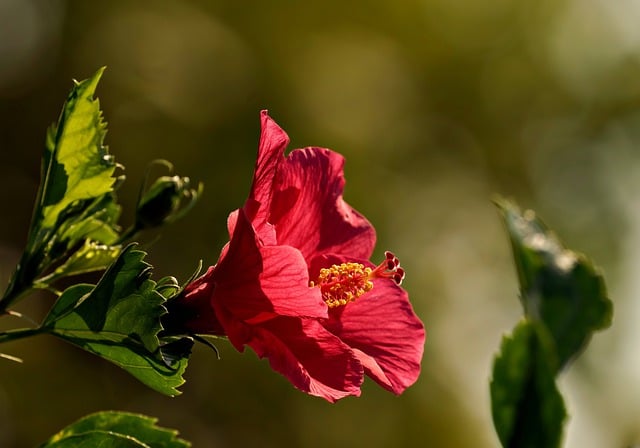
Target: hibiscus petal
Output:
{"points": [[231, 221], [313, 359], [273, 142], [385, 334], [308, 209], [255, 282]]}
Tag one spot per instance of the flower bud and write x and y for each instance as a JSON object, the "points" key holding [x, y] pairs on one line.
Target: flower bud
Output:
{"points": [[168, 198]]}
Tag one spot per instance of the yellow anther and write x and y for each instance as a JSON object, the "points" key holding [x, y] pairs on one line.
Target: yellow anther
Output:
{"points": [[342, 284]]}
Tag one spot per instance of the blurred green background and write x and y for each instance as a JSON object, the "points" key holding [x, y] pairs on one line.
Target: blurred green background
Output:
{"points": [[436, 105]]}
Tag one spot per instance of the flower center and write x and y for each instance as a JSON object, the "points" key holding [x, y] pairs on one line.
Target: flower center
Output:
{"points": [[343, 283]]}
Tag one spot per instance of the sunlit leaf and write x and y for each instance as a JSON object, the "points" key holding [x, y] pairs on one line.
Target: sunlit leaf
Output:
{"points": [[116, 429], [119, 320], [92, 256], [76, 154], [75, 197], [97, 222], [528, 411]]}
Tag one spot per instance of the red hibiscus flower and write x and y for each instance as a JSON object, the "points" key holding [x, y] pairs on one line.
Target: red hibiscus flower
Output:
{"points": [[294, 282]]}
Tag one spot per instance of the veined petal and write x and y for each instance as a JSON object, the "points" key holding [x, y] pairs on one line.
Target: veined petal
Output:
{"points": [[294, 223], [385, 334], [253, 281], [308, 210], [267, 235], [273, 142], [313, 359]]}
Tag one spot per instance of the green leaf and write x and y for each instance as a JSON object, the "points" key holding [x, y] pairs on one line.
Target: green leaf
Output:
{"points": [[124, 304], [559, 288], [66, 303], [76, 154], [91, 257], [97, 439], [96, 220], [527, 409], [119, 320], [115, 429], [158, 372], [75, 200], [564, 301]]}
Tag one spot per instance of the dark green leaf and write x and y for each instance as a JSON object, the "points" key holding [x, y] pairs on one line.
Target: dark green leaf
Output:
{"points": [[564, 301], [151, 368], [560, 288], [527, 409], [119, 320], [174, 350], [124, 304], [66, 303], [111, 426]]}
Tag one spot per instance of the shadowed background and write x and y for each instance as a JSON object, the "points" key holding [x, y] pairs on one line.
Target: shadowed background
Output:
{"points": [[436, 105]]}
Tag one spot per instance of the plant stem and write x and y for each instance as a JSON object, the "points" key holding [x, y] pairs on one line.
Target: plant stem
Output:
{"points": [[12, 294], [20, 333]]}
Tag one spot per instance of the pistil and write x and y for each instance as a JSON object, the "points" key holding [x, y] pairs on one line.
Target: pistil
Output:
{"points": [[343, 283]]}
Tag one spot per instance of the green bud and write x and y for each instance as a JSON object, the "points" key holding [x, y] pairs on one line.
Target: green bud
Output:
{"points": [[168, 198]]}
